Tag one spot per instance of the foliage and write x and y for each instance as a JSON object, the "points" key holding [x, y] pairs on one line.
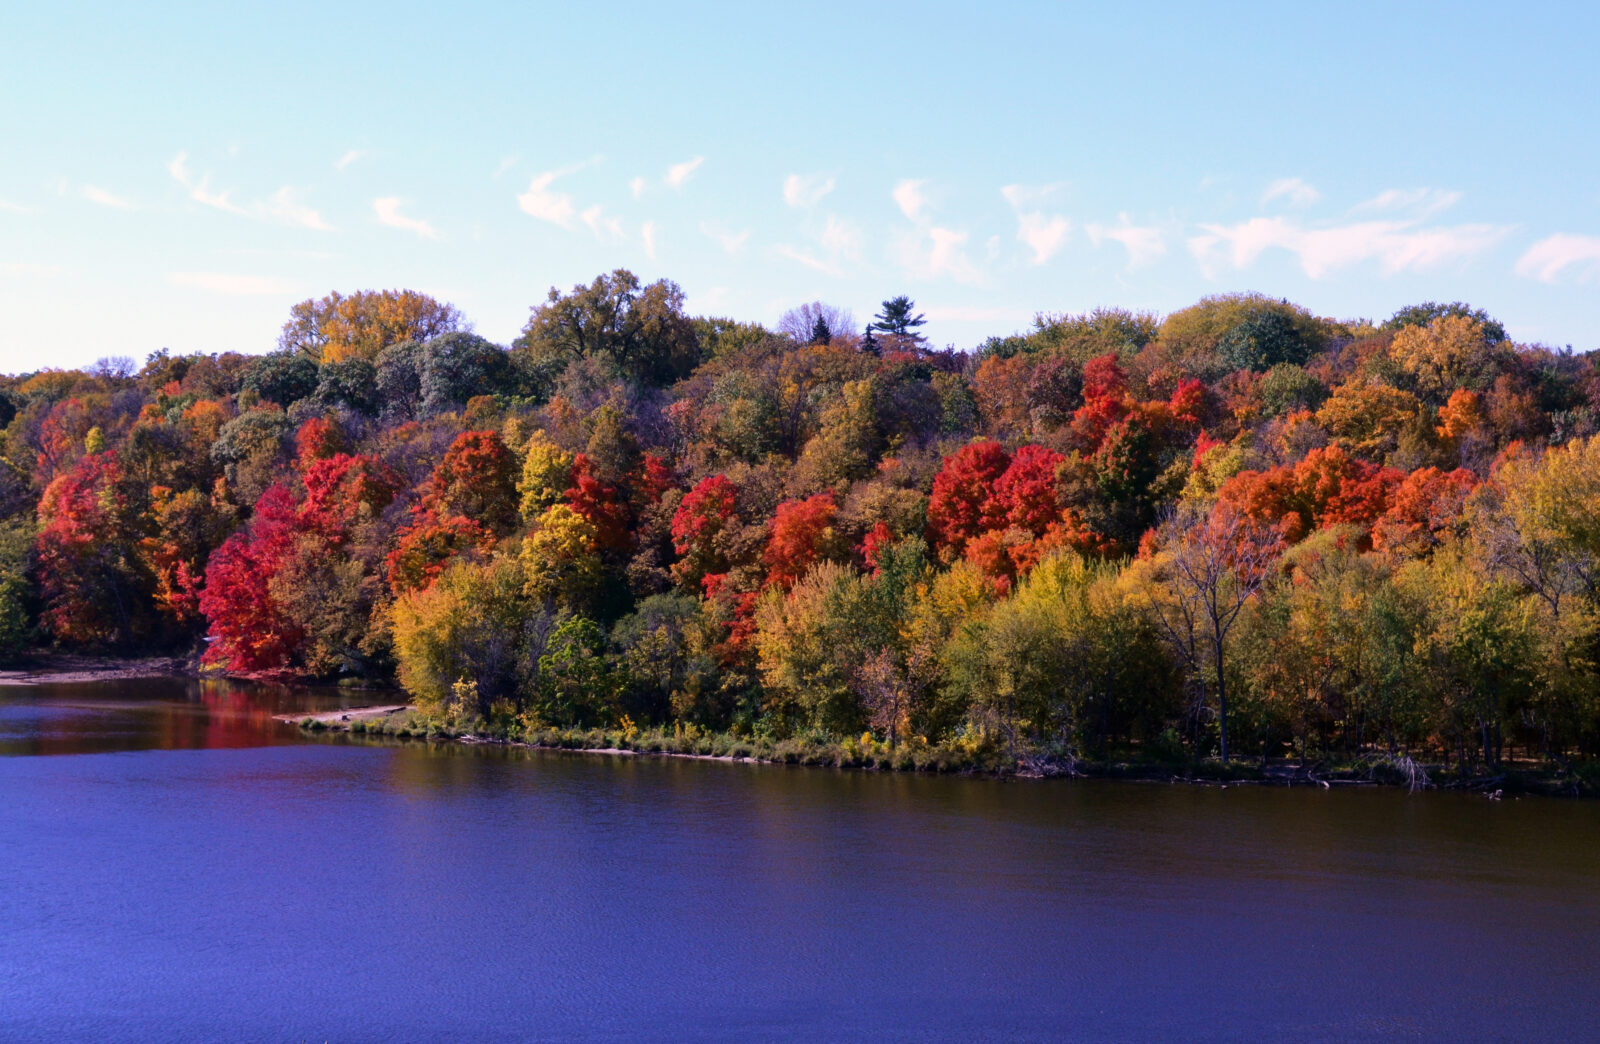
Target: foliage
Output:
{"points": [[1239, 530]]}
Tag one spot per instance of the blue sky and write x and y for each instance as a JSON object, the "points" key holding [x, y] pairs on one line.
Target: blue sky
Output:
{"points": [[179, 175]]}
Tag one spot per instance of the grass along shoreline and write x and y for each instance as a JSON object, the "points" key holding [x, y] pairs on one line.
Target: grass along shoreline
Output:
{"points": [[969, 757]]}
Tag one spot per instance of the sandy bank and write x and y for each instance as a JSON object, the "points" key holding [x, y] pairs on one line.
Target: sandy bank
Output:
{"points": [[345, 715], [65, 669]]}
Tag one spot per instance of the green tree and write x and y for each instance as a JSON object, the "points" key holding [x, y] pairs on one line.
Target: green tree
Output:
{"points": [[641, 331], [897, 319]]}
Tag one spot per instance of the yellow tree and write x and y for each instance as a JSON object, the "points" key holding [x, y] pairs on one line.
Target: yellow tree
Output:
{"points": [[361, 325]]}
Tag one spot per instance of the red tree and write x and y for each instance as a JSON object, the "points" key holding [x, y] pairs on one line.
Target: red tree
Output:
{"points": [[702, 515], [802, 532], [961, 505]]}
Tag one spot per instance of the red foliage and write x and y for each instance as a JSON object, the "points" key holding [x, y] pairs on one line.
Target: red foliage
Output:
{"points": [[960, 507], [800, 529], [1329, 487], [654, 479], [428, 544], [702, 513], [249, 630], [81, 553], [1203, 445], [1105, 400], [477, 479], [1187, 401], [1421, 508], [878, 537], [598, 503], [318, 439], [1025, 494], [736, 611], [342, 490]]}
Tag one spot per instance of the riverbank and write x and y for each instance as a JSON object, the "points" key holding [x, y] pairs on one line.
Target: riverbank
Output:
{"points": [[64, 668], [971, 758]]}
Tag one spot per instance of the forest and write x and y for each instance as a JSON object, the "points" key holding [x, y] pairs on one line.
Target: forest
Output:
{"points": [[1238, 531]]}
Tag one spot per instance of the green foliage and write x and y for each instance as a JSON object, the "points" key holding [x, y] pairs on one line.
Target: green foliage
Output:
{"points": [[281, 377], [466, 626], [1425, 313], [640, 331], [1286, 388], [16, 540], [635, 527]]}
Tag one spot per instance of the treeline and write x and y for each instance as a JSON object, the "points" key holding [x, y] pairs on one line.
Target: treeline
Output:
{"points": [[1240, 530]]}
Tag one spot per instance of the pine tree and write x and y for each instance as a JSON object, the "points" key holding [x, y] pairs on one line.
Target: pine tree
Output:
{"points": [[820, 334], [896, 318]]}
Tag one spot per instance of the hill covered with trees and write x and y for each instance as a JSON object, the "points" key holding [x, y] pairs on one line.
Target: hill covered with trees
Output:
{"points": [[1240, 529]]}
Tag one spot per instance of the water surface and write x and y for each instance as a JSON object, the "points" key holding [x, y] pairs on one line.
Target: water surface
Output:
{"points": [[175, 865]]}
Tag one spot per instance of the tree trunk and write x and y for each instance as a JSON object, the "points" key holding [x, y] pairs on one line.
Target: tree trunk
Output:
{"points": [[1222, 702]]}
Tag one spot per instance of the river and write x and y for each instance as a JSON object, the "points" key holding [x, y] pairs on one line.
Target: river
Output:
{"points": [[175, 865]]}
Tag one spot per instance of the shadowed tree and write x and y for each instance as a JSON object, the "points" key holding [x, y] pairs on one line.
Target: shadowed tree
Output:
{"points": [[1213, 565]]}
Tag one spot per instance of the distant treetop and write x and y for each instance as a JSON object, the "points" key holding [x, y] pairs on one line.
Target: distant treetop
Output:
{"points": [[896, 318], [1426, 312]]}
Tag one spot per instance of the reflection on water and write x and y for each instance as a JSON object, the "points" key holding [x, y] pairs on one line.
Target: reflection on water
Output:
{"points": [[347, 891], [155, 713]]}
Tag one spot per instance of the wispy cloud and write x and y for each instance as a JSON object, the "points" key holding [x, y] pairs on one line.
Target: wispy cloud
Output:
{"points": [[546, 204], [1416, 203], [730, 242], [647, 233], [806, 190], [14, 208], [910, 198], [230, 285], [1547, 259], [105, 199], [810, 260], [505, 166], [1295, 190], [348, 158], [840, 238], [1396, 245], [200, 191], [679, 173], [636, 187], [601, 223], [281, 206], [840, 241], [1023, 197], [936, 252], [1043, 233], [1144, 243], [388, 210]]}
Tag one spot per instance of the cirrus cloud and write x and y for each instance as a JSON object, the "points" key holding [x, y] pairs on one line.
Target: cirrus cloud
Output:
{"points": [[806, 190], [1396, 245], [1547, 259], [388, 210]]}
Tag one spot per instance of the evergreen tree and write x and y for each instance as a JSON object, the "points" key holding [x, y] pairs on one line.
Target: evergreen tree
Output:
{"points": [[820, 334], [869, 343], [896, 318]]}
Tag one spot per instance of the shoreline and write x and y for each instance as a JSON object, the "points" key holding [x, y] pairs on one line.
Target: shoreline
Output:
{"points": [[66, 669], [401, 723]]}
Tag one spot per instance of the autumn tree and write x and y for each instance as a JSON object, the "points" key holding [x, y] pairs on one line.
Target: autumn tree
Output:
{"points": [[1210, 567], [362, 324], [639, 330]]}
